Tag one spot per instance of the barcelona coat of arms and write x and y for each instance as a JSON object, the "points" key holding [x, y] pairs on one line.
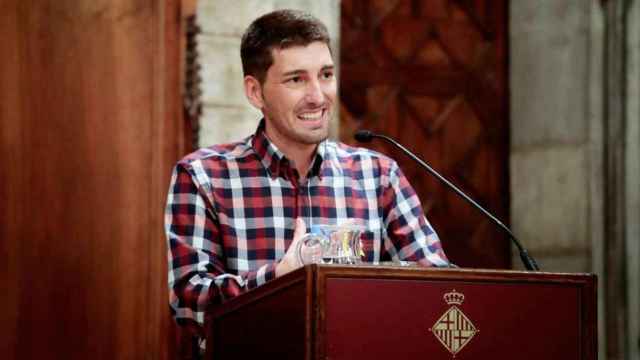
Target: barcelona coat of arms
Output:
{"points": [[454, 329]]}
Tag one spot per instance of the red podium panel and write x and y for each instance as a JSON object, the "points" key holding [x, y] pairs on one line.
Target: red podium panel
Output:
{"points": [[367, 312]]}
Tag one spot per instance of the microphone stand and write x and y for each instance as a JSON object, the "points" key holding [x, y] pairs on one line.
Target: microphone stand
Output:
{"points": [[529, 263]]}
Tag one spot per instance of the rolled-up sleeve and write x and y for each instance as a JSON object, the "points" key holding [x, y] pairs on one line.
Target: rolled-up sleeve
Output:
{"points": [[411, 237]]}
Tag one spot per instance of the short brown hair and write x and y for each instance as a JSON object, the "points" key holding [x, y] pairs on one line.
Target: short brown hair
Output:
{"points": [[278, 29]]}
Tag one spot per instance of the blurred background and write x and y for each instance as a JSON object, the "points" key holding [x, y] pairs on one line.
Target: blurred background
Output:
{"points": [[530, 106]]}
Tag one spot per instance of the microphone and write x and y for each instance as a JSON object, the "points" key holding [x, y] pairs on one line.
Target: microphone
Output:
{"points": [[363, 136], [528, 261]]}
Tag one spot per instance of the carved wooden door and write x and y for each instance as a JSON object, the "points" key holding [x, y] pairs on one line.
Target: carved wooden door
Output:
{"points": [[433, 75]]}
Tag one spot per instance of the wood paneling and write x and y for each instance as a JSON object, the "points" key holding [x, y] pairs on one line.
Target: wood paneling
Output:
{"points": [[432, 74], [90, 109]]}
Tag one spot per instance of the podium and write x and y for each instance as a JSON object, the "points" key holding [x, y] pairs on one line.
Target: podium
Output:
{"points": [[386, 312]]}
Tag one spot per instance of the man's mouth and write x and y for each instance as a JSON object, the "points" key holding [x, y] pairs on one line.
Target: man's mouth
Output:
{"points": [[314, 119], [312, 116]]}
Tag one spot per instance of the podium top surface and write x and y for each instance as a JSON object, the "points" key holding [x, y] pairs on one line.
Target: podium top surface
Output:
{"points": [[319, 272]]}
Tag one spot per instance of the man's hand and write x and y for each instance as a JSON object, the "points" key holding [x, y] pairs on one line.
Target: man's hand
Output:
{"points": [[290, 260]]}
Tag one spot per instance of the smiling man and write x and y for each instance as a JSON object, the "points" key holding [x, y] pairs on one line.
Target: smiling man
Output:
{"points": [[235, 211], [296, 98]]}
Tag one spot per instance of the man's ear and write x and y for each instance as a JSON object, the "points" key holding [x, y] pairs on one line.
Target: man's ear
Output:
{"points": [[253, 91]]}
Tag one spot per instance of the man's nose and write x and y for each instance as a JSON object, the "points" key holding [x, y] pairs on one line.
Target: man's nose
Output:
{"points": [[314, 93]]}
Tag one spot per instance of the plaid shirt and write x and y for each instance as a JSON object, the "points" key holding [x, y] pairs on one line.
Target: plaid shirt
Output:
{"points": [[231, 211]]}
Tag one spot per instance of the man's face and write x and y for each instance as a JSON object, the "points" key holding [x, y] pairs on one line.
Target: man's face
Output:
{"points": [[298, 95]]}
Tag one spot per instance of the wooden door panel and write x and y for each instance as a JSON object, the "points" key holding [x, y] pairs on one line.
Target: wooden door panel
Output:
{"points": [[432, 75], [90, 127]]}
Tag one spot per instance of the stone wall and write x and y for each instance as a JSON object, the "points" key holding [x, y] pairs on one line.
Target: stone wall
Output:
{"points": [[575, 137], [550, 131], [227, 115]]}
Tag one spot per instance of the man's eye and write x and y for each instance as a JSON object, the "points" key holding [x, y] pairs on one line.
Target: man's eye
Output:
{"points": [[327, 75], [295, 80]]}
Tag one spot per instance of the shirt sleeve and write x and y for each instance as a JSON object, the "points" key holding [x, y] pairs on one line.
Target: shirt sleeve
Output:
{"points": [[410, 236], [197, 273]]}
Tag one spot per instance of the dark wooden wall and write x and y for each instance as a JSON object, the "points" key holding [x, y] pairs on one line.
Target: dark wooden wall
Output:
{"points": [[433, 75], [90, 127]]}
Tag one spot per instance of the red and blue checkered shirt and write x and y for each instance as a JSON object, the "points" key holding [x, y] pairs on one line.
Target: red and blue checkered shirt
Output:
{"points": [[231, 211]]}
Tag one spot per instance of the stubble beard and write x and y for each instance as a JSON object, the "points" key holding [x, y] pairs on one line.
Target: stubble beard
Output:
{"points": [[316, 136]]}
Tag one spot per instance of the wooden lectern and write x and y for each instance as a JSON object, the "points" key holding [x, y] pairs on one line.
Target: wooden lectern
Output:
{"points": [[372, 312]]}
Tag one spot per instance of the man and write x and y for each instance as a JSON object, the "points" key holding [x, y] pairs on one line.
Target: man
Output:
{"points": [[235, 211]]}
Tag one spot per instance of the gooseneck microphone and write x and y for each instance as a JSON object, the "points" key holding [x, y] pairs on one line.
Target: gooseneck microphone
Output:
{"points": [[529, 263]]}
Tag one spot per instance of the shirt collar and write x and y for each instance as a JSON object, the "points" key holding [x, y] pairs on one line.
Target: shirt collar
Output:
{"points": [[275, 161]]}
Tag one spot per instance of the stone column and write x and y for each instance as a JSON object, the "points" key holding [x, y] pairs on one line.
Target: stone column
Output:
{"points": [[632, 179], [614, 128]]}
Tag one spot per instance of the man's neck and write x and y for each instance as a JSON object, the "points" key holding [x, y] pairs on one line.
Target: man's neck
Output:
{"points": [[301, 155], [303, 162]]}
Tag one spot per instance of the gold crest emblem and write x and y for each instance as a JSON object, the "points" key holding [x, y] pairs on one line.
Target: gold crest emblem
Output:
{"points": [[454, 329]]}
